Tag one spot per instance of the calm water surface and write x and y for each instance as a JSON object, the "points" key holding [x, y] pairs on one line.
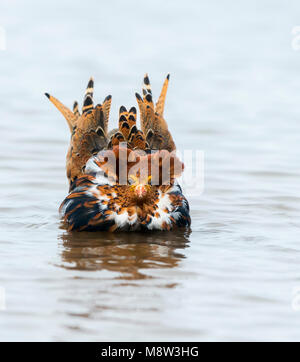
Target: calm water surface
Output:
{"points": [[234, 93]]}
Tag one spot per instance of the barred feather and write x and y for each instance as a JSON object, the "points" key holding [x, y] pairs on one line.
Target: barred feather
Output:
{"points": [[76, 110], [66, 112], [88, 98], [153, 124], [89, 131], [160, 105]]}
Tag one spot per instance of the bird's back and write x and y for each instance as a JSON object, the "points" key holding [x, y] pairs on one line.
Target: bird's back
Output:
{"points": [[124, 179]]}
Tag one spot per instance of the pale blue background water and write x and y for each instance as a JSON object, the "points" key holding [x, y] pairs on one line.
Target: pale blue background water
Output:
{"points": [[234, 93]]}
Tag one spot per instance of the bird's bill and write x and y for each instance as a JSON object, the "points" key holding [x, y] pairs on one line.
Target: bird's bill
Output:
{"points": [[141, 191]]}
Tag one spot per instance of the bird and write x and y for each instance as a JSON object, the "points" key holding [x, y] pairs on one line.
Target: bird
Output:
{"points": [[124, 179]]}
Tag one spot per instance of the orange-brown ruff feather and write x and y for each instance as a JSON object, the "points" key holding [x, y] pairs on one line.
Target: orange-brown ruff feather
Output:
{"points": [[108, 196]]}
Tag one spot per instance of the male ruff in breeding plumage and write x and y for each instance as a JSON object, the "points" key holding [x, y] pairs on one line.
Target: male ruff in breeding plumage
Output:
{"points": [[125, 179]]}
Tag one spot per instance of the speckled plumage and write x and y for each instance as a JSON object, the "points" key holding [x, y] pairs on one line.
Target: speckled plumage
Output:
{"points": [[98, 200]]}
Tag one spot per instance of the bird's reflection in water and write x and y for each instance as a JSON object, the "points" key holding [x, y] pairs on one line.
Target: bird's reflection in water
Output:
{"points": [[128, 254]]}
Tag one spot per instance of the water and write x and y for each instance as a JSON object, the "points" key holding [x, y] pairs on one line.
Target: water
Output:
{"points": [[234, 94]]}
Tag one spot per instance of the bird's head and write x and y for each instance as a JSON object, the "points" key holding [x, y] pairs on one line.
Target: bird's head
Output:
{"points": [[140, 188]]}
